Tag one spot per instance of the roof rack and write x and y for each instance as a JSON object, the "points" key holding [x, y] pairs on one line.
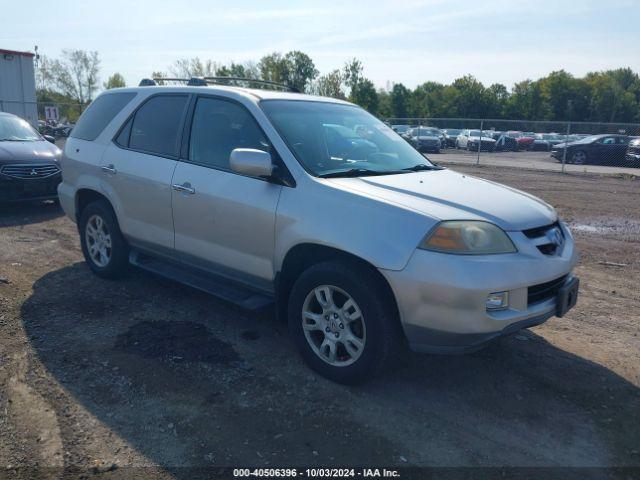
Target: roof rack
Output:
{"points": [[204, 81]]}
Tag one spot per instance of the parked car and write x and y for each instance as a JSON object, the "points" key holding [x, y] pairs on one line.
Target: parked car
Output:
{"points": [[523, 139], [503, 141], [236, 192], [400, 129], [29, 162], [595, 149], [544, 142], [425, 139], [450, 135], [632, 157], [469, 139]]}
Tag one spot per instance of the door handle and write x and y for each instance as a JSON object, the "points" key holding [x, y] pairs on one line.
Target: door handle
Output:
{"points": [[109, 169], [184, 188]]}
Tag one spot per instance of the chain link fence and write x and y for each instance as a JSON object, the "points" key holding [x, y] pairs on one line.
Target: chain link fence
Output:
{"points": [[540, 145]]}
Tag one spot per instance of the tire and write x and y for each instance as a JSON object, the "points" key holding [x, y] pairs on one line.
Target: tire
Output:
{"points": [[376, 328], [579, 157], [108, 259]]}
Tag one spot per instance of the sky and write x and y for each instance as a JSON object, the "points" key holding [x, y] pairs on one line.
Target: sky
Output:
{"points": [[402, 41]]}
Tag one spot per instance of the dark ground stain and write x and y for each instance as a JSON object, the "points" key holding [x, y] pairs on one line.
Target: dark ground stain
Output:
{"points": [[177, 341]]}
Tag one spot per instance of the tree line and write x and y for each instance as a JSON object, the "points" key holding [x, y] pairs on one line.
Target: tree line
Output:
{"points": [[604, 96]]}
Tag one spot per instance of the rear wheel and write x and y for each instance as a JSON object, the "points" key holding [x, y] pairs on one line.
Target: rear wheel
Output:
{"points": [[105, 249], [344, 330]]}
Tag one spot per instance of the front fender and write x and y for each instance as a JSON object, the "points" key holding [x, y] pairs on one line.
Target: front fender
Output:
{"points": [[382, 233]]}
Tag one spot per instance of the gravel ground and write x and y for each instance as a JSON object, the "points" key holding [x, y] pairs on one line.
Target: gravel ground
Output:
{"points": [[145, 372]]}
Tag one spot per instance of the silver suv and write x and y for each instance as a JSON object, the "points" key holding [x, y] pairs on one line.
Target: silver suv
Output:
{"points": [[260, 196]]}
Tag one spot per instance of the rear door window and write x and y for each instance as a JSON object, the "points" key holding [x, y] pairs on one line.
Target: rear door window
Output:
{"points": [[98, 115], [157, 125]]}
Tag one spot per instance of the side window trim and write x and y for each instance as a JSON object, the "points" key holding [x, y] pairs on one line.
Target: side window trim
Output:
{"points": [[186, 139], [132, 115]]}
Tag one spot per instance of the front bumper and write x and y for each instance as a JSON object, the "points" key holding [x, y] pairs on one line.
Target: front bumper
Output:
{"points": [[441, 297], [19, 190]]}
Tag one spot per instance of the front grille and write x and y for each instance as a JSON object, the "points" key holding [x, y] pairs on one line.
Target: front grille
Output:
{"points": [[634, 150], [549, 239], [544, 291], [23, 171]]}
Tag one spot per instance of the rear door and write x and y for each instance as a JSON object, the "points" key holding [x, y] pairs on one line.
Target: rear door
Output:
{"points": [[137, 168], [224, 221]]}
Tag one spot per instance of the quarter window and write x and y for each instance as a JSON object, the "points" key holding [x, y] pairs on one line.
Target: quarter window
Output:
{"points": [[219, 127], [98, 115], [156, 125]]}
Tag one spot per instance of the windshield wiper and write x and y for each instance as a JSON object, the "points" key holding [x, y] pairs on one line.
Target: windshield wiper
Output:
{"points": [[358, 172], [421, 167]]}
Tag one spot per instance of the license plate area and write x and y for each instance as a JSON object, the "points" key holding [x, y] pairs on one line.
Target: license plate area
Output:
{"points": [[567, 297]]}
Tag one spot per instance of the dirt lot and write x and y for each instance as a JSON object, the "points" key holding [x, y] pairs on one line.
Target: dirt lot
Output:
{"points": [[146, 372]]}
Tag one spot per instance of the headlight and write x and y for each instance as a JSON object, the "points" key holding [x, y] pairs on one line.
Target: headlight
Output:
{"points": [[468, 238]]}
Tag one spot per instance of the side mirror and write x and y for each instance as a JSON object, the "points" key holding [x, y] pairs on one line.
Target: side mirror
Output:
{"points": [[252, 162], [49, 138]]}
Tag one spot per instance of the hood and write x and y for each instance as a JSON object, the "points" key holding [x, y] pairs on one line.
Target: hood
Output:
{"points": [[448, 195], [29, 152]]}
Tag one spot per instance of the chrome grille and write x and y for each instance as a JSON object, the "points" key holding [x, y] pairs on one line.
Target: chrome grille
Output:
{"points": [[549, 239], [23, 171]]}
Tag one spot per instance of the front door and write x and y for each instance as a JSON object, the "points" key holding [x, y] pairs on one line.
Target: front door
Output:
{"points": [[224, 222]]}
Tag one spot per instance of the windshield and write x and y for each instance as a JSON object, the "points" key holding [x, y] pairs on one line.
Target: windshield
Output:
{"points": [[400, 128], [14, 129], [331, 138], [451, 132], [476, 133]]}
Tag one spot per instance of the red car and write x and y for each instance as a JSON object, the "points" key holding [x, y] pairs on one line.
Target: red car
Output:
{"points": [[524, 139]]}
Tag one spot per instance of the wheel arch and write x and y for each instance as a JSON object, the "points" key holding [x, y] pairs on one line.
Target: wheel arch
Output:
{"points": [[85, 196], [302, 256]]}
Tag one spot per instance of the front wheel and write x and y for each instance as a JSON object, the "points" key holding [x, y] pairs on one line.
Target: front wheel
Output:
{"points": [[579, 157], [345, 330]]}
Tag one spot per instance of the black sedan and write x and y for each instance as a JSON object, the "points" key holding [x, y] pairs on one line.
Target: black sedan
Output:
{"points": [[29, 163], [594, 149], [425, 139]]}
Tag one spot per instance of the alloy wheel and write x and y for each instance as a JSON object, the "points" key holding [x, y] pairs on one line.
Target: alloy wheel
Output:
{"points": [[98, 241], [333, 325]]}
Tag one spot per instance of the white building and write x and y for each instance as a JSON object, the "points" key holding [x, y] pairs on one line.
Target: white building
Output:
{"points": [[18, 85]]}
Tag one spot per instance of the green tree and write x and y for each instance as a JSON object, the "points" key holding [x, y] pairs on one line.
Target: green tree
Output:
{"points": [[365, 95], [300, 70], [400, 97], [74, 74], [329, 85], [352, 74], [114, 81], [295, 69]]}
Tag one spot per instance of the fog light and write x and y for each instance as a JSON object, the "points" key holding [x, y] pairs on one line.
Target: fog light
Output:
{"points": [[497, 301]]}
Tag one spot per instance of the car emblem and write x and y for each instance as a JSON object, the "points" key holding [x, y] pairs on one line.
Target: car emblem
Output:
{"points": [[33, 172], [555, 237]]}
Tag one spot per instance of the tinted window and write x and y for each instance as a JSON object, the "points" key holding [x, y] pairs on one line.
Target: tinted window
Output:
{"points": [[219, 127], [156, 125], [98, 115], [123, 136]]}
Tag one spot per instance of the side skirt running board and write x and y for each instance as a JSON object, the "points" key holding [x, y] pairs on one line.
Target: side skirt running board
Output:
{"points": [[220, 287]]}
